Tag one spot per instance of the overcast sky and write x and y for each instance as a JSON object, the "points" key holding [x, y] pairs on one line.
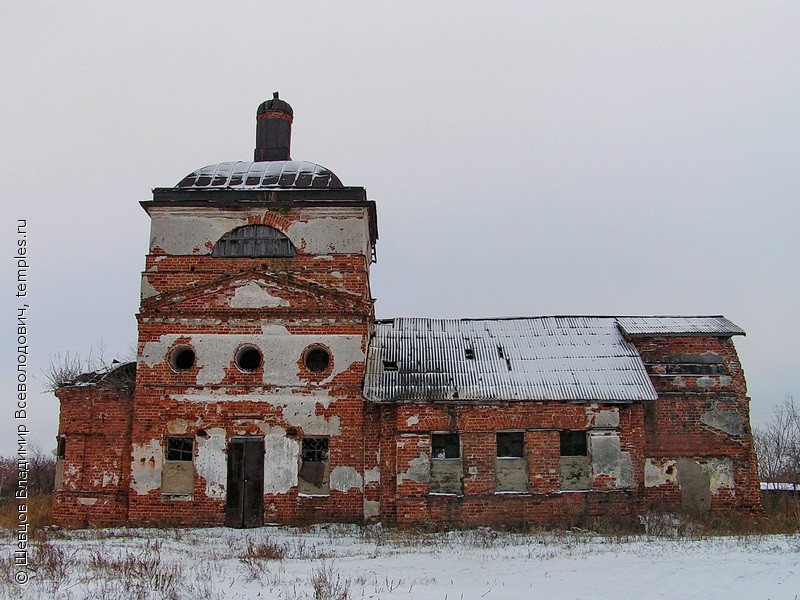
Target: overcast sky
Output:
{"points": [[527, 158]]}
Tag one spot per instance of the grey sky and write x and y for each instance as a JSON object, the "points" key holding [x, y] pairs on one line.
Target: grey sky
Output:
{"points": [[527, 158]]}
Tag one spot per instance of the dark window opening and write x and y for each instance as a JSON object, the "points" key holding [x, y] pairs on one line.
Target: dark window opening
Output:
{"points": [[573, 443], [61, 447], [446, 445], [248, 358], [254, 241], [182, 358], [469, 353], [180, 448], [500, 352], [390, 365], [510, 444], [317, 360], [314, 471], [315, 449]]}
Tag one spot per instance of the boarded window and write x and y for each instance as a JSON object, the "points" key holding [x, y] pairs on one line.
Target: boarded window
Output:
{"points": [[314, 467], [446, 470], [574, 463], [511, 466], [177, 473], [254, 241]]}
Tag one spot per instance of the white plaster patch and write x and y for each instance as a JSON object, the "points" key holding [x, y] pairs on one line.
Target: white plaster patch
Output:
{"points": [[372, 476], [303, 414], [419, 470], [281, 459], [372, 508], [146, 467], [215, 353], [345, 478], [331, 235], [147, 289], [87, 501], [412, 420], [211, 462], [602, 418], [608, 459], [720, 472], [182, 231], [110, 479], [253, 295], [658, 473]]}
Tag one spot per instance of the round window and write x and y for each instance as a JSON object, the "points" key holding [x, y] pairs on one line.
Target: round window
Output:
{"points": [[248, 358], [317, 360], [182, 358]]}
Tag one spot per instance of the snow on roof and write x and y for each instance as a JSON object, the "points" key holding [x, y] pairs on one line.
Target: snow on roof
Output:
{"points": [[780, 486], [257, 175], [544, 358], [679, 326]]}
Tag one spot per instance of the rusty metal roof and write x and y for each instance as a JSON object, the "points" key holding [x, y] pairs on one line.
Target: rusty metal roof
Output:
{"points": [[259, 175], [678, 326], [545, 358]]}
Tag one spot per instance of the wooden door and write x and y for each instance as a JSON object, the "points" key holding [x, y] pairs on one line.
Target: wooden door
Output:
{"points": [[244, 505]]}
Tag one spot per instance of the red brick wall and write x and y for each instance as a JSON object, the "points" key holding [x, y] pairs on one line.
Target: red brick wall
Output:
{"points": [[96, 424], [680, 423]]}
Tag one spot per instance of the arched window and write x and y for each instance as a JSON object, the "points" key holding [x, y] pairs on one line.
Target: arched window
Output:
{"points": [[253, 241]]}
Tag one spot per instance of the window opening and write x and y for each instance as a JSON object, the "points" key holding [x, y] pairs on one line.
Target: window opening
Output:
{"points": [[510, 444], [61, 447], [390, 365], [469, 353], [446, 445], [573, 443], [180, 448], [314, 470], [182, 358], [248, 358], [317, 360], [254, 241]]}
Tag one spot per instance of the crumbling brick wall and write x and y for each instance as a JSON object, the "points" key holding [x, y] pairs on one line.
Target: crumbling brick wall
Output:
{"points": [[94, 471], [699, 453]]}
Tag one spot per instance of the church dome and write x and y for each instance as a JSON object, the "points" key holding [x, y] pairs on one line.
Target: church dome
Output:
{"points": [[273, 174]]}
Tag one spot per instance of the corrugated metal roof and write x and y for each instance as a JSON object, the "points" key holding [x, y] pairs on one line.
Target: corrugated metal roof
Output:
{"points": [[263, 174], [547, 358], [678, 326]]}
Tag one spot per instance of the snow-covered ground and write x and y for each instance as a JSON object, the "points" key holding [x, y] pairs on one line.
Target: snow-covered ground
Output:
{"points": [[348, 562]]}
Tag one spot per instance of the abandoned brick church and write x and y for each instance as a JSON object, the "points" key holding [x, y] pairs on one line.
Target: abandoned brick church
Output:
{"points": [[266, 391]]}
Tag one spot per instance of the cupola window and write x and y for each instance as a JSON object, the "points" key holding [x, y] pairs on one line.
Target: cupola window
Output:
{"points": [[253, 241]]}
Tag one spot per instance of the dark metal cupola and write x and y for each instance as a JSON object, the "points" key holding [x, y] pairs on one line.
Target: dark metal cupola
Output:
{"points": [[273, 130]]}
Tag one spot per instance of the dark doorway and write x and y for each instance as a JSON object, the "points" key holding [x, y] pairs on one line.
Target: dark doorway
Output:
{"points": [[244, 506]]}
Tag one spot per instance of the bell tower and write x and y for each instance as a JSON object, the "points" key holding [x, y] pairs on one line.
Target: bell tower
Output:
{"points": [[254, 321]]}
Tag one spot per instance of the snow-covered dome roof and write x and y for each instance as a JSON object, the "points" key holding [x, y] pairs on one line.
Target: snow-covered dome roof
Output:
{"points": [[242, 175]]}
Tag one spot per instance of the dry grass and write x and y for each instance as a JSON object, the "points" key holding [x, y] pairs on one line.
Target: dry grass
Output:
{"points": [[39, 514]]}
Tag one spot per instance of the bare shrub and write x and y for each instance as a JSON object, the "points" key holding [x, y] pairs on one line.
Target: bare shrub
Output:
{"points": [[778, 444], [267, 549], [74, 369], [139, 572], [329, 585], [50, 564]]}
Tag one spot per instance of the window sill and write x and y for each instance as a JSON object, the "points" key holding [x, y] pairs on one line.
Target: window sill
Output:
{"points": [[321, 495], [512, 493], [177, 497]]}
